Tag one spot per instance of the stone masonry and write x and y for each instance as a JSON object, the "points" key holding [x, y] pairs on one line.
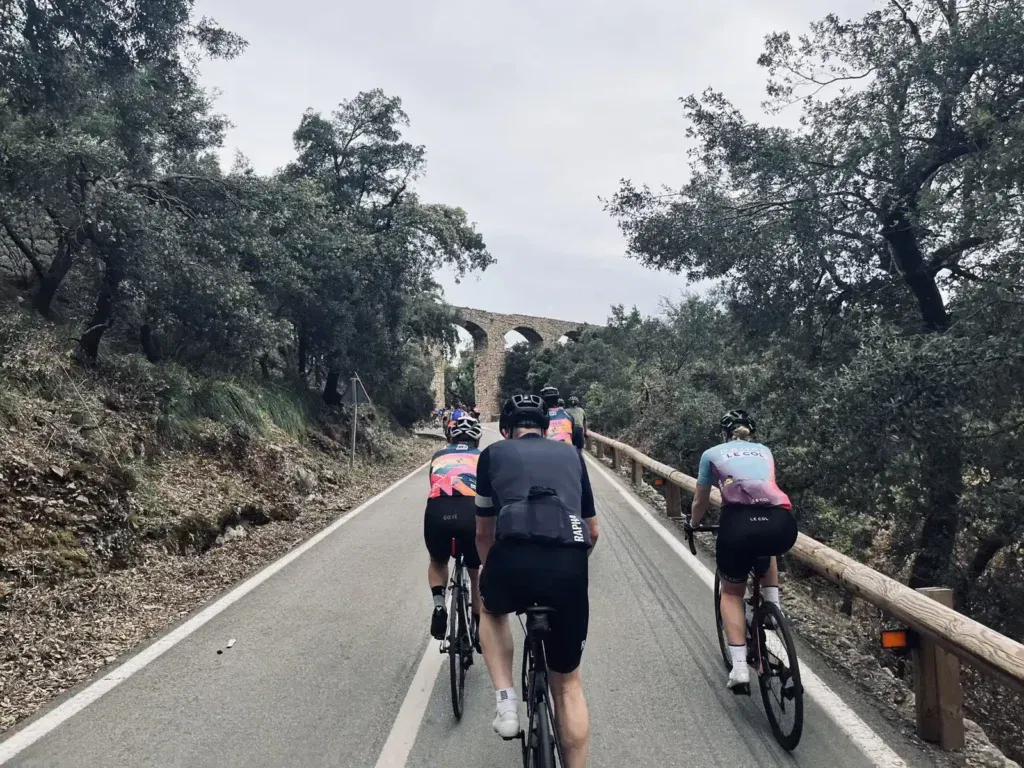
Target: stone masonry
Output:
{"points": [[488, 330]]}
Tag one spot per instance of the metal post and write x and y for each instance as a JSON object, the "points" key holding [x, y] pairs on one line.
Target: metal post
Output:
{"points": [[355, 421]]}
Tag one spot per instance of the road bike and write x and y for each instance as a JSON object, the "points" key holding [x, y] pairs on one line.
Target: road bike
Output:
{"points": [[541, 748], [459, 642], [771, 654]]}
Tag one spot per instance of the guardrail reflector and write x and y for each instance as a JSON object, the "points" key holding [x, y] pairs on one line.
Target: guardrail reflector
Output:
{"points": [[895, 639]]}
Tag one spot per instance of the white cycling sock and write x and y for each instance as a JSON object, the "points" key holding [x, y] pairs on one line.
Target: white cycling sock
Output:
{"points": [[770, 595], [739, 655], [507, 701]]}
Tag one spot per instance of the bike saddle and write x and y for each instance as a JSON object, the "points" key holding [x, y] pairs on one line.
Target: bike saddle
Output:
{"points": [[537, 618]]}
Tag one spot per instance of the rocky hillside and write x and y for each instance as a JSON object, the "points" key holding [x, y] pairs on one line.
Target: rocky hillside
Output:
{"points": [[131, 492]]}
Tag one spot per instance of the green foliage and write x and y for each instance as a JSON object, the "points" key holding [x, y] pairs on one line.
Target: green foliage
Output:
{"points": [[864, 258], [460, 380], [116, 214]]}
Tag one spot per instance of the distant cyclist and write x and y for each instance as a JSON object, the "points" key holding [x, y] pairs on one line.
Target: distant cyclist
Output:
{"points": [[579, 416], [756, 525], [535, 527], [562, 427], [451, 514]]}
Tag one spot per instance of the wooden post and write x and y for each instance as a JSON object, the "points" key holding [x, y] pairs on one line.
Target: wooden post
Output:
{"points": [[673, 500], [939, 698], [616, 459], [637, 471], [600, 449], [588, 444]]}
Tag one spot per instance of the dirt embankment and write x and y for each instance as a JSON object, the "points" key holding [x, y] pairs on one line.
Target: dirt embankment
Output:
{"points": [[132, 493]]}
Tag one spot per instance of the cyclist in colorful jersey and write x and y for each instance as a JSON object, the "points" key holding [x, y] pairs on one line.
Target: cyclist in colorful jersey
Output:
{"points": [[562, 427], [451, 514], [756, 525]]}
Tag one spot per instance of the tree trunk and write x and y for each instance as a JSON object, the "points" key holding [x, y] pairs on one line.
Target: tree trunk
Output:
{"points": [[303, 352], [944, 485], [331, 394], [53, 277], [149, 345], [89, 344], [265, 366], [899, 233]]}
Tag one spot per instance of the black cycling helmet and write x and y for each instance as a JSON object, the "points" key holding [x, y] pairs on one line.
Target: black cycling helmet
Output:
{"points": [[738, 418], [550, 395], [574, 401], [465, 428], [523, 411]]}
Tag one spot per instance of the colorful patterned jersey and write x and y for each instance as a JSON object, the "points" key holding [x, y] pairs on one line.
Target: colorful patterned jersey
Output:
{"points": [[744, 473], [560, 428], [453, 471]]}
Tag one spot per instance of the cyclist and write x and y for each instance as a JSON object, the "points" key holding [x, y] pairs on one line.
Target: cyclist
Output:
{"points": [[756, 525], [535, 527], [450, 515], [562, 427], [579, 416]]}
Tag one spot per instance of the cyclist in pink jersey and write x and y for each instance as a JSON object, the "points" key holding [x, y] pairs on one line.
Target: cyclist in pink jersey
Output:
{"points": [[756, 526]]}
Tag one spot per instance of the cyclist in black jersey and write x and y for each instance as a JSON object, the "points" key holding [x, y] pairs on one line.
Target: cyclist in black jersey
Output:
{"points": [[535, 527]]}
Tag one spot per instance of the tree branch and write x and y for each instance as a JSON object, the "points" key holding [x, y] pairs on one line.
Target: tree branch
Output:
{"points": [[949, 251], [23, 247]]}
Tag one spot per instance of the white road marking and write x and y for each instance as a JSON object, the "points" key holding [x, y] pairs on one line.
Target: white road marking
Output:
{"points": [[849, 722], [52, 719], [410, 715]]}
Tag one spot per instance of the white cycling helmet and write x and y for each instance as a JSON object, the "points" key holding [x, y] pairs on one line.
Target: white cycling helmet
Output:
{"points": [[466, 428]]}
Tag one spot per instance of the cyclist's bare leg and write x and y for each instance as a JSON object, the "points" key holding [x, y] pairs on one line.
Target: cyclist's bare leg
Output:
{"points": [[733, 618], [572, 716], [496, 642], [771, 577], [437, 573]]}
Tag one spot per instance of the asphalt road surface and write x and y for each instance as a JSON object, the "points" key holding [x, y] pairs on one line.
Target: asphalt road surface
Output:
{"points": [[332, 666]]}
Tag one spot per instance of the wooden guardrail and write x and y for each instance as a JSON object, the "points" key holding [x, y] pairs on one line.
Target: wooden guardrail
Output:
{"points": [[945, 636]]}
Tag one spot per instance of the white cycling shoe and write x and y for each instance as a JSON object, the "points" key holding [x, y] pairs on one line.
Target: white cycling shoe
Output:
{"points": [[506, 724], [739, 679]]}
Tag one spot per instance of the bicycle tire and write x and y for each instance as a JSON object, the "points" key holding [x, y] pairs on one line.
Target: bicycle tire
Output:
{"points": [[723, 642], [545, 743], [457, 671], [787, 740]]}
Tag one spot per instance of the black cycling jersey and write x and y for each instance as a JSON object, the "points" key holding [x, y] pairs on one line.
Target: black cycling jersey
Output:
{"points": [[538, 489]]}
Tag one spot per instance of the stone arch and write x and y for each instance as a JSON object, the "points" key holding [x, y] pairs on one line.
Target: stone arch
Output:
{"points": [[532, 337], [488, 331]]}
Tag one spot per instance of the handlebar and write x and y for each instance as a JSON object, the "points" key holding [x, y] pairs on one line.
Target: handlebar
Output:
{"points": [[699, 529]]}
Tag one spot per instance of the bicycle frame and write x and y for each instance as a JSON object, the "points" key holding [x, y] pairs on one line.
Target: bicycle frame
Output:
{"points": [[537, 692]]}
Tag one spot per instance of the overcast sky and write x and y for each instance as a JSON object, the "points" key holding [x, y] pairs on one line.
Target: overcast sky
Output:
{"points": [[529, 111]]}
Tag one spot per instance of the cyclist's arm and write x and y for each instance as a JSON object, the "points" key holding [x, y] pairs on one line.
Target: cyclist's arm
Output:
{"points": [[702, 496], [588, 511], [486, 514]]}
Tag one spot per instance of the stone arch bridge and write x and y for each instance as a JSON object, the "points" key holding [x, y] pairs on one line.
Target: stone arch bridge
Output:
{"points": [[488, 330]]}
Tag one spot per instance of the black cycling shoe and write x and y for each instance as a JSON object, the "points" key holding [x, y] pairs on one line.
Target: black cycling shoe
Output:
{"points": [[439, 622]]}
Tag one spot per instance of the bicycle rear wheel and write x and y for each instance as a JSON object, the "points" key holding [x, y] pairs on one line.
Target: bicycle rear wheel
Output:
{"points": [[723, 640], [458, 632], [781, 691]]}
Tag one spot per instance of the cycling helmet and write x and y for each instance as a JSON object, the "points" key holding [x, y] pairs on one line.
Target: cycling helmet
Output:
{"points": [[466, 428], [523, 411], [574, 402], [550, 395], [561, 403], [738, 418]]}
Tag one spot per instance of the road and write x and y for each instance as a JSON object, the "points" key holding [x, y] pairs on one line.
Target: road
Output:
{"points": [[332, 649]]}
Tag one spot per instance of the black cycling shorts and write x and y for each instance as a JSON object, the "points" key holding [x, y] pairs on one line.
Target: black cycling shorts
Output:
{"points": [[447, 518], [749, 537], [519, 574]]}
